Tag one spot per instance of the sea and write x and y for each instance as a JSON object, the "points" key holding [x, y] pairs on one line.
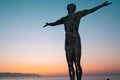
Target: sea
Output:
{"points": [[84, 77]]}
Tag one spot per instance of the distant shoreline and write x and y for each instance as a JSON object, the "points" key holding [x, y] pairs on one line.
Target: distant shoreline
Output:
{"points": [[27, 75], [18, 75]]}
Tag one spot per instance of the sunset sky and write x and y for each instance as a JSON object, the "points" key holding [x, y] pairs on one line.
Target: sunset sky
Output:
{"points": [[27, 47]]}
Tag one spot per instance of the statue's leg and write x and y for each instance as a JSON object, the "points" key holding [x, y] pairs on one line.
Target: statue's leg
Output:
{"points": [[77, 63], [69, 57]]}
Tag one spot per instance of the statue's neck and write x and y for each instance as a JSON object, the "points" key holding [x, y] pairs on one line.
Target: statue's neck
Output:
{"points": [[69, 13]]}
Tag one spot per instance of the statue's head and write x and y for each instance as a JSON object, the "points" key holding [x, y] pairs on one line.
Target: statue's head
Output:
{"points": [[71, 7]]}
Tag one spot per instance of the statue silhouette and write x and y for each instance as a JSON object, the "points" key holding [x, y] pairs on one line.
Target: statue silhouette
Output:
{"points": [[72, 37]]}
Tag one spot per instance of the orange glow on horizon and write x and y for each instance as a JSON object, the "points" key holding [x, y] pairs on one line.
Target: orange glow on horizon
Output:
{"points": [[44, 69], [59, 68]]}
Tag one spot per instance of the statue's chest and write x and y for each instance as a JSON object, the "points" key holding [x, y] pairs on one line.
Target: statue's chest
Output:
{"points": [[70, 20]]}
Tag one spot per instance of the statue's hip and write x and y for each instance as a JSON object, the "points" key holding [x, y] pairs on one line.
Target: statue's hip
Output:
{"points": [[72, 41]]}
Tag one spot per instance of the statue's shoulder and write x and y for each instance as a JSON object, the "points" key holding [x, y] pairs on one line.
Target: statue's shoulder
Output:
{"points": [[64, 18], [82, 13]]}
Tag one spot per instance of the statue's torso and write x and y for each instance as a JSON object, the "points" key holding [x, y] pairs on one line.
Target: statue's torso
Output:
{"points": [[71, 24]]}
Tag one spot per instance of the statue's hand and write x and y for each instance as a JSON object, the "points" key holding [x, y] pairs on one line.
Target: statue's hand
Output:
{"points": [[106, 3], [45, 24]]}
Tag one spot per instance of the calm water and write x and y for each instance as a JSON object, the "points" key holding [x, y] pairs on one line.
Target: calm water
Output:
{"points": [[95, 77]]}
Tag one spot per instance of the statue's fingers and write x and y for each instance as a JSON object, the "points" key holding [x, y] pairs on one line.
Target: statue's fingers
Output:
{"points": [[44, 26], [110, 3]]}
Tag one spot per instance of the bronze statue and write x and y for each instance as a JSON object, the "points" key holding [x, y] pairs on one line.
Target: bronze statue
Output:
{"points": [[72, 37]]}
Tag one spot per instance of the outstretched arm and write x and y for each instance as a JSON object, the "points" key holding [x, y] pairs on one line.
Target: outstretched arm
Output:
{"points": [[85, 12], [58, 22]]}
